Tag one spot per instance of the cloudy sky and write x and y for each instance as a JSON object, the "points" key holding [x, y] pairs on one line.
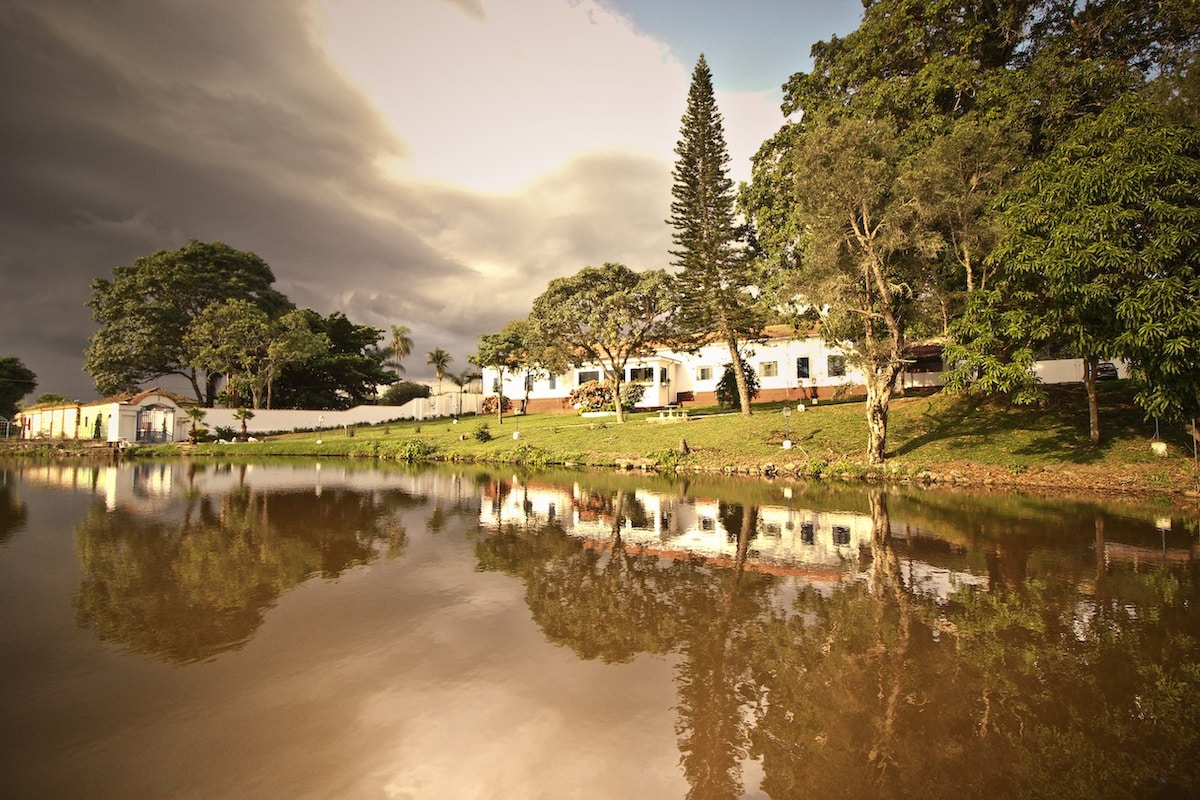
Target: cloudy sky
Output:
{"points": [[432, 163]]}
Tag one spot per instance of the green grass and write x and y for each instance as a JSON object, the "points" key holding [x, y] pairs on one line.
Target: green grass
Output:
{"points": [[925, 433]]}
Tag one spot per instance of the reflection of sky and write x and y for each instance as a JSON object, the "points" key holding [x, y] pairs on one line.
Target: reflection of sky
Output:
{"points": [[417, 677]]}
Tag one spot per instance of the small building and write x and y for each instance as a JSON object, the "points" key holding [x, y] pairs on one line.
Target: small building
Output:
{"points": [[150, 415]]}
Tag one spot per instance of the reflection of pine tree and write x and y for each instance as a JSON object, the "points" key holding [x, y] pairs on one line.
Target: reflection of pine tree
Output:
{"points": [[715, 680]]}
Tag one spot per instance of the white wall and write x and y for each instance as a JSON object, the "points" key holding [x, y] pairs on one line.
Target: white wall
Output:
{"points": [[287, 419]]}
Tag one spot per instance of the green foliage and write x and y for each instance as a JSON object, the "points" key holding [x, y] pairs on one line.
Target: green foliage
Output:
{"points": [[399, 348], [533, 456], [1101, 255], [727, 389], [483, 434], [239, 340], [402, 392], [607, 315], [50, 398], [147, 308], [346, 375], [16, 381], [716, 277], [440, 360], [413, 450]]}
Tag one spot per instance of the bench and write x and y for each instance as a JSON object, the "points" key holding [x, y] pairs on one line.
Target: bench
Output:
{"points": [[670, 414]]}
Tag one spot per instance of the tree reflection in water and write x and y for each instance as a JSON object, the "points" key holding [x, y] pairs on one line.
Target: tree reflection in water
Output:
{"points": [[187, 590], [13, 514], [1047, 679]]}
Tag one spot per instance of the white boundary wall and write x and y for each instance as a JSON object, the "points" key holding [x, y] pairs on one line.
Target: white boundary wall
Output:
{"points": [[289, 419]]}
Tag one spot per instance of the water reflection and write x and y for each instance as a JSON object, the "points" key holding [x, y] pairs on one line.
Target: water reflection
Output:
{"points": [[183, 567], [824, 640], [897, 665], [13, 513]]}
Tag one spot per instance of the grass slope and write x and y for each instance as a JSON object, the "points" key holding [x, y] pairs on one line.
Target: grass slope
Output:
{"points": [[939, 437]]}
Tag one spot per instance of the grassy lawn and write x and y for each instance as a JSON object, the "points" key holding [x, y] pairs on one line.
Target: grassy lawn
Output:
{"points": [[937, 433]]}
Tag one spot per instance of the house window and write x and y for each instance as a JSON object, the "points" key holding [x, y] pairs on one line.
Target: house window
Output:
{"points": [[704, 373], [768, 369], [528, 382], [841, 534], [807, 533], [641, 374], [837, 366], [496, 385], [592, 375], [802, 367], [553, 381], [662, 376]]}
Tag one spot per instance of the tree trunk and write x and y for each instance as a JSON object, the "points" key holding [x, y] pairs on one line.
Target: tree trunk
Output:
{"points": [[880, 386], [739, 374], [617, 395], [500, 399], [1089, 383]]}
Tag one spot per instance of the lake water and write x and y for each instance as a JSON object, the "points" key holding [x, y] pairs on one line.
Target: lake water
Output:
{"points": [[325, 630]]}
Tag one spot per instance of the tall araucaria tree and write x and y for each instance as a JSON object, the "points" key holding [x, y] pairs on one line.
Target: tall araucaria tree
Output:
{"points": [[607, 315], [717, 302]]}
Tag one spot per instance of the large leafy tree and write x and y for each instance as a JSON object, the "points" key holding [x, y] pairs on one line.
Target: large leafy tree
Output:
{"points": [[1101, 256], [716, 282], [348, 374], [16, 381], [237, 339], [607, 315], [147, 307]]}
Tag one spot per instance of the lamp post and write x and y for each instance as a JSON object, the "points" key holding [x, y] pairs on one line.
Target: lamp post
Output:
{"points": [[320, 425], [787, 427]]}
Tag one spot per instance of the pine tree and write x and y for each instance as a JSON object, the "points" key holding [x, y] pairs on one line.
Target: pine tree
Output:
{"points": [[716, 304]]}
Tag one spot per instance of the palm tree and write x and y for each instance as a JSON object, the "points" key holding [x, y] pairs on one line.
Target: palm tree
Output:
{"points": [[244, 414], [196, 415], [462, 380], [400, 348], [439, 359]]}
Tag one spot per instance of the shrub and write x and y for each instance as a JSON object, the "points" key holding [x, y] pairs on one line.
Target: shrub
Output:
{"points": [[224, 432], [401, 392], [482, 434], [632, 394], [598, 396], [727, 391], [415, 450], [489, 404], [591, 396]]}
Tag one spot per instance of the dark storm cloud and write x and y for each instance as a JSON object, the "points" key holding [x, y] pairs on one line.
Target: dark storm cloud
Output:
{"points": [[128, 127], [131, 127]]}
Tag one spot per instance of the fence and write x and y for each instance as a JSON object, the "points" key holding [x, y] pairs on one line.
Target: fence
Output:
{"points": [[287, 419]]}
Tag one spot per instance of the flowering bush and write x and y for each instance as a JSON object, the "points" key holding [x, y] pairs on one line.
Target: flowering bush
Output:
{"points": [[592, 396], [489, 404], [598, 396]]}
